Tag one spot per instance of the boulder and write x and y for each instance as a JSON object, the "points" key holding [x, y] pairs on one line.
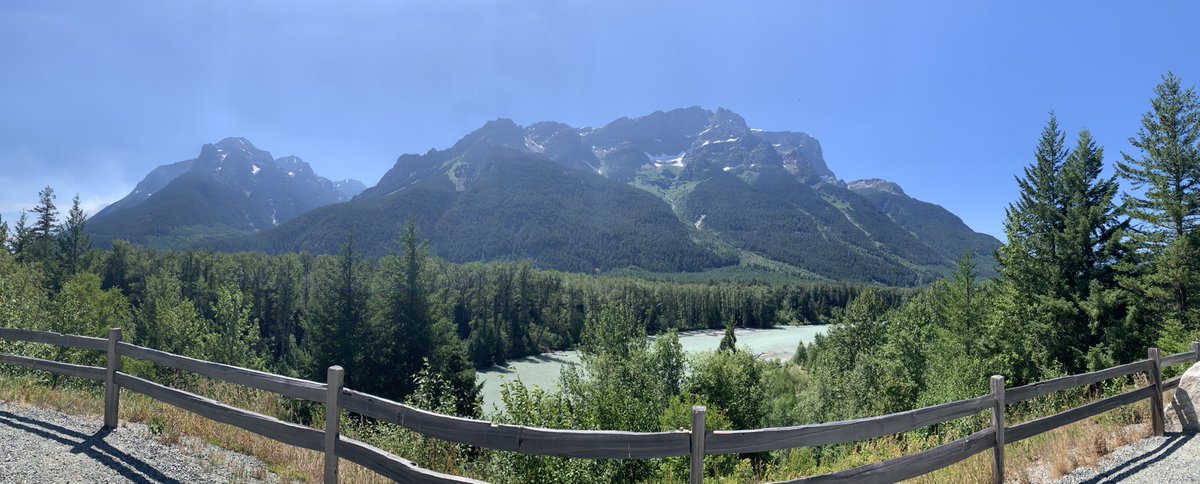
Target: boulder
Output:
{"points": [[1181, 412]]}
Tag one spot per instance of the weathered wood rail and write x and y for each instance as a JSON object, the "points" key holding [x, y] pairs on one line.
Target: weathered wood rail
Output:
{"points": [[589, 444]]}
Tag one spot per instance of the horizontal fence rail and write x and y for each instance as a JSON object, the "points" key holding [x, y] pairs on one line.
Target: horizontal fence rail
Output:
{"points": [[745, 441], [57, 339], [1043, 388], [1046, 424], [588, 444], [288, 433], [913, 465], [283, 385], [390, 466], [80, 371]]}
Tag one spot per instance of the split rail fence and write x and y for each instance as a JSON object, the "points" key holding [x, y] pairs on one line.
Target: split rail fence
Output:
{"points": [[590, 444]]}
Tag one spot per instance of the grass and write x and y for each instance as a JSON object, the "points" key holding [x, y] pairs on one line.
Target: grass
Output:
{"points": [[177, 427]]}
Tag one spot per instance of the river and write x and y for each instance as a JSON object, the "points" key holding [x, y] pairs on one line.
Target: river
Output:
{"points": [[543, 370]]}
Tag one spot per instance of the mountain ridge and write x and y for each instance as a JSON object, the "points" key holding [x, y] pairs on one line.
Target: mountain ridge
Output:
{"points": [[682, 190]]}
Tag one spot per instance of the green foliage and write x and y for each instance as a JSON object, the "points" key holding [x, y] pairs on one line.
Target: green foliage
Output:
{"points": [[167, 321], [728, 341], [1166, 207], [1065, 244], [732, 382], [336, 322], [232, 336]]}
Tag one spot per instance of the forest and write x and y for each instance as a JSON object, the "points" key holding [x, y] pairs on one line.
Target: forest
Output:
{"points": [[1095, 269]]}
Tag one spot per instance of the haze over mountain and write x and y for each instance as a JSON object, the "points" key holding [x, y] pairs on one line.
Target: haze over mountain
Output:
{"points": [[232, 187], [682, 190]]}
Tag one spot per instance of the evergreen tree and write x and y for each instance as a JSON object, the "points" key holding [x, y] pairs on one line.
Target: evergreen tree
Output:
{"points": [[401, 319], [1165, 202], [1033, 222], [1064, 241], [44, 230], [47, 214], [336, 320], [3, 235], [72, 241], [729, 341], [22, 237]]}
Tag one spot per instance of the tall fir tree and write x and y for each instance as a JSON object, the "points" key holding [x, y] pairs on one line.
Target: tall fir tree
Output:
{"points": [[73, 243], [1165, 204], [22, 238], [3, 235], [41, 247], [401, 321], [336, 321], [1064, 241], [1032, 223]]}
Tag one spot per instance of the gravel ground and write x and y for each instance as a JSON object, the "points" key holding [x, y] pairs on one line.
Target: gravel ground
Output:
{"points": [[1154, 460], [38, 445]]}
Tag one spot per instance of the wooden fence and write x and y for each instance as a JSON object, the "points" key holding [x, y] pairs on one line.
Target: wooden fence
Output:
{"points": [[589, 444]]}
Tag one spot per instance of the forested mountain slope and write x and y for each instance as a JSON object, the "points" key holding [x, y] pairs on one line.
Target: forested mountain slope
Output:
{"points": [[232, 187], [676, 191]]}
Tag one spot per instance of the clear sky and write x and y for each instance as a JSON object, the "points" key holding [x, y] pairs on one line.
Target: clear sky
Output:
{"points": [[945, 98]]}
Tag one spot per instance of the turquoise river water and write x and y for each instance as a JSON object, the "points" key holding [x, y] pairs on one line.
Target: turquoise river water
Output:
{"points": [[543, 370]]}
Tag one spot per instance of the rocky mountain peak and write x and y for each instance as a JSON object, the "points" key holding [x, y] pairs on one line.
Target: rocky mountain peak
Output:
{"points": [[876, 184]]}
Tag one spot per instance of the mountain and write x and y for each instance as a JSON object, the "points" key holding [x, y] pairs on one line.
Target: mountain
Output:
{"points": [[491, 197], [681, 190], [232, 187]]}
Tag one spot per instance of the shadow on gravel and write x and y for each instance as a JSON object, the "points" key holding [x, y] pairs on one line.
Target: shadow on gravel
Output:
{"points": [[93, 446], [1133, 466]]}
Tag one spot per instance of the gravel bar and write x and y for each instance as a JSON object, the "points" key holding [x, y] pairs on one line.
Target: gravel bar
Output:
{"points": [[1158, 460], [39, 445]]}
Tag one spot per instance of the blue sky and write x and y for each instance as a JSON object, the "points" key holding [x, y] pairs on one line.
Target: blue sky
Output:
{"points": [[945, 98]]}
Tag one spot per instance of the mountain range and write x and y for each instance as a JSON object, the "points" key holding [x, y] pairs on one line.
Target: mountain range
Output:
{"points": [[682, 190], [231, 188]]}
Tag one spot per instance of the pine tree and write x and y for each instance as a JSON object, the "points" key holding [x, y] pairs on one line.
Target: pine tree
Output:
{"points": [[336, 321], [41, 247], [1032, 223], [729, 341], [1167, 177], [3, 236], [47, 214], [22, 237], [401, 319], [1090, 243], [1064, 241], [72, 241]]}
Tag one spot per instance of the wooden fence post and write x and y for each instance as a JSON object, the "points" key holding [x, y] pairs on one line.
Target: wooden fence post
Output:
{"points": [[333, 416], [698, 412], [1196, 350], [112, 393], [1156, 399], [998, 426]]}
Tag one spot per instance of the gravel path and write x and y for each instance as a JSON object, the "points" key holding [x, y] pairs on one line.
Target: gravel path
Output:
{"points": [[1154, 460], [38, 445]]}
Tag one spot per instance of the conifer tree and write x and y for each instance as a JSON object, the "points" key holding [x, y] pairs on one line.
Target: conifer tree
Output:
{"points": [[1165, 201], [3, 235], [729, 341], [401, 319], [22, 237], [1064, 240], [336, 321], [72, 241], [47, 214]]}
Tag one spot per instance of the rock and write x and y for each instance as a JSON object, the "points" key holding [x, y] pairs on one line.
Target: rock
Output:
{"points": [[1181, 412]]}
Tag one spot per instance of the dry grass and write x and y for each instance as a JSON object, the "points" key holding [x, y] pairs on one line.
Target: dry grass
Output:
{"points": [[1056, 453], [172, 425]]}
